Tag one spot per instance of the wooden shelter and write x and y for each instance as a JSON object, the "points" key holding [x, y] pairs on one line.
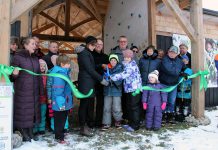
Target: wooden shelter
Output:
{"points": [[72, 20]]}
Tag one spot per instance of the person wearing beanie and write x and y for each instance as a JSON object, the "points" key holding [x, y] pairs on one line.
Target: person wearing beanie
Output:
{"points": [[40, 127], [101, 61], [131, 81], [183, 49], [87, 79], [183, 101], [154, 102], [170, 70], [112, 95]]}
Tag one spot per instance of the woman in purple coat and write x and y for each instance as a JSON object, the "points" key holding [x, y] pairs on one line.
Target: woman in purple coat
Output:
{"points": [[154, 102], [27, 88]]}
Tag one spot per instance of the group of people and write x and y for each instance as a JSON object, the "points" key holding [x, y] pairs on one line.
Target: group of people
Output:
{"points": [[114, 78]]}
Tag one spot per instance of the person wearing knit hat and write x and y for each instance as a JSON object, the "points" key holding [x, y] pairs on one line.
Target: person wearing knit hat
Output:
{"points": [[132, 81], [154, 102], [154, 74], [113, 56], [127, 55], [112, 95], [90, 40], [40, 127]]}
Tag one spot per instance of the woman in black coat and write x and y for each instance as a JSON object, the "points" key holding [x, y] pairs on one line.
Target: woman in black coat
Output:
{"points": [[27, 88], [86, 81]]}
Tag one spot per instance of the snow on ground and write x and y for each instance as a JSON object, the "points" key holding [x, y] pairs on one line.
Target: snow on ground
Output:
{"points": [[179, 137]]}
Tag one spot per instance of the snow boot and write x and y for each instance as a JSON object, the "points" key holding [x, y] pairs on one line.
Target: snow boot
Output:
{"points": [[171, 118], [164, 119], [84, 130], [24, 133], [31, 135]]}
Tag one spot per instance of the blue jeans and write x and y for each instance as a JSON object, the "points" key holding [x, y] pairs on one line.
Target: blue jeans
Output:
{"points": [[171, 99]]}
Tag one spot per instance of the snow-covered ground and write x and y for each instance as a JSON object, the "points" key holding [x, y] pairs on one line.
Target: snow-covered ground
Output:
{"points": [[170, 137]]}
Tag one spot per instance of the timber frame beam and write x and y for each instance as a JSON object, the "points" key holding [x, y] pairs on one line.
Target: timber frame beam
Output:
{"points": [[42, 6], [182, 20]]}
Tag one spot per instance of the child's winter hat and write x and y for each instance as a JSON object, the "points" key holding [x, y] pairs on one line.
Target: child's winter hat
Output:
{"points": [[41, 61], [127, 53], [185, 57], [154, 74], [113, 56]]}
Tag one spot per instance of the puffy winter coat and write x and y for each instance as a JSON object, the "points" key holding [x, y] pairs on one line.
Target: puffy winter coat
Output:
{"points": [[170, 70], [115, 87], [184, 89], [61, 93], [27, 88], [87, 75], [148, 64], [154, 98], [130, 75]]}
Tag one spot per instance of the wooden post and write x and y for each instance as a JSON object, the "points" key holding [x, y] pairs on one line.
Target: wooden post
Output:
{"points": [[24, 29], [5, 26], [198, 97], [152, 22]]}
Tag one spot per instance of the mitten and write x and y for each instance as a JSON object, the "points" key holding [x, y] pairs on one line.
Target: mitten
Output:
{"points": [[145, 106], [163, 106]]}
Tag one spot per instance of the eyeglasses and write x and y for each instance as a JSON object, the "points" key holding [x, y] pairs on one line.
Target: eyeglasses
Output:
{"points": [[123, 41]]}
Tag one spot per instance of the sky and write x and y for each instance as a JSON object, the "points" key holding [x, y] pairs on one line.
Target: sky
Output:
{"points": [[210, 4]]}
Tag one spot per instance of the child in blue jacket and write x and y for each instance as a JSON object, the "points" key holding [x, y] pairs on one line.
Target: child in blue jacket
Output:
{"points": [[183, 101], [112, 95], [61, 96]]}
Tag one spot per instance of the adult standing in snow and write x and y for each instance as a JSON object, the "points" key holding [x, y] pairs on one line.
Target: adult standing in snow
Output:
{"points": [[86, 81], [101, 61], [170, 70], [27, 88]]}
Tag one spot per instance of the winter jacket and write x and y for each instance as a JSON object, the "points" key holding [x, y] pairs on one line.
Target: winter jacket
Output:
{"points": [[119, 53], [154, 98], [184, 89], [170, 70], [100, 58], [27, 89], [43, 95], [115, 87], [61, 93], [47, 59], [130, 75], [87, 75], [148, 64]]}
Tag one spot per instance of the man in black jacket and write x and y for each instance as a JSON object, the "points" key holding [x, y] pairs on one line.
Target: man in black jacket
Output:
{"points": [[184, 51], [53, 50], [101, 61]]}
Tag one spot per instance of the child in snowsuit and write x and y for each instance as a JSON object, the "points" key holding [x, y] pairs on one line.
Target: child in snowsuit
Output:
{"points": [[132, 81], [183, 101], [49, 93], [40, 128], [112, 96], [61, 96], [154, 102]]}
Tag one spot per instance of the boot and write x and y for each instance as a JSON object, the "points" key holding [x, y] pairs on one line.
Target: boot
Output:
{"points": [[31, 135], [171, 118], [24, 133], [164, 119], [84, 130]]}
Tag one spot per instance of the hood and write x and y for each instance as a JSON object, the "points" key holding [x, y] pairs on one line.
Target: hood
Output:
{"points": [[79, 49], [153, 56], [58, 69], [41, 61]]}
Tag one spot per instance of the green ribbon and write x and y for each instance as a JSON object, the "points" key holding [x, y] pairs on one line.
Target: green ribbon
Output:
{"points": [[203, 83], [8, 70]]}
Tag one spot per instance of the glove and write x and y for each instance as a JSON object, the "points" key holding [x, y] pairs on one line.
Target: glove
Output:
{"points": [[145, 106], [62, 108], [185, 75], [163, 106], [104, 82]]}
